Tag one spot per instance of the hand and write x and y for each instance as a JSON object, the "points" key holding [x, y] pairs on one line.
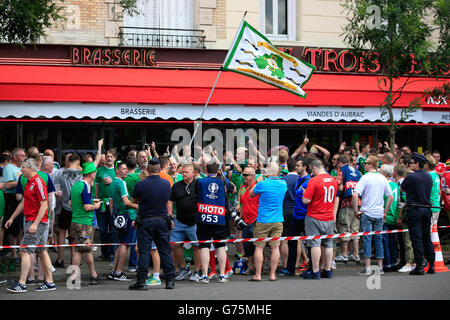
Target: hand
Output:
{"points": [[357, 144], [342, 147], [173, 225], [359, 214], [32, 229], [238, 207], [386, 145], [8, 223], [259, 179], [153, 146], [306, 140], [97, 205], [107, 180], [100, 143]]}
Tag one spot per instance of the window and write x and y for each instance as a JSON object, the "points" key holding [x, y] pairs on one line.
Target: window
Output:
{"points": [[160, 23], [279, 19]]}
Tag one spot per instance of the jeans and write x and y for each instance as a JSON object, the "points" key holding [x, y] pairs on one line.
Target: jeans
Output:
{"points": [[249, 247], [154, 229], [132, 261], [419, 221], [108, 232], [372, 224], [390, 246]]}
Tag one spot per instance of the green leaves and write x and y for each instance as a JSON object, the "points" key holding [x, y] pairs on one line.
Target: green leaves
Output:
{"points": [[26, 21]]}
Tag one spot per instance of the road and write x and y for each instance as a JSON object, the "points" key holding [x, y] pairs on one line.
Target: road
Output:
{"points": [[345, 284]]}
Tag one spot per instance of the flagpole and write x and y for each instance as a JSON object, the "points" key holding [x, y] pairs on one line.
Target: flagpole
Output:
{"points": [[215, 83]]}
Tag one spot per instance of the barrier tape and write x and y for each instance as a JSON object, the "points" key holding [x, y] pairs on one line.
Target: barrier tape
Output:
{"points": [[316, 237]]}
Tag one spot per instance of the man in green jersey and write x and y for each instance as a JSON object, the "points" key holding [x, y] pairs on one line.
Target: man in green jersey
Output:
{"points": [[131, 179], [103, 179], [121, 204], [390, 221], [82, 215], [430, 167]]}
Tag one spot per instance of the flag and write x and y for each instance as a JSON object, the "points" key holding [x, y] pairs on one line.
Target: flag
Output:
{"points": [[253, 55]]}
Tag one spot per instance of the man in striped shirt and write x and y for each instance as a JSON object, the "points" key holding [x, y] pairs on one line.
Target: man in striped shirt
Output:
{"points": [[35, 209]]}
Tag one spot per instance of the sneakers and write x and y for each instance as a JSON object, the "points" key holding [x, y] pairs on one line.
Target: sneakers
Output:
{"points": [[285, 272], [204, 280], [327, 274], [212, 275], [333, 265], [94, 281], [46, 287], [58, 264], [353, 258], [183, 274], [312, 275], [223, 279], [379, 271], [138, 286], [195, 277], [340, 258], [132, 269], [18, 288], [151, 281], [406, 269], [365, 272], [120, 277], [229, 273]]}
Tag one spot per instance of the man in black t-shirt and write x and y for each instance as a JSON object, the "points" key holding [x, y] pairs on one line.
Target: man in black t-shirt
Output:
{"points": [[417, 186], [185, 200]]}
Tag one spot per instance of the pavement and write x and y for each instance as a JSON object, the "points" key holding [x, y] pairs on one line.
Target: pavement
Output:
{"points": [[103, 268]]}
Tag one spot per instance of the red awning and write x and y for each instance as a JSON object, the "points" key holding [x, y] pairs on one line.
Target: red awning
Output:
{"points": [[159, 86]]}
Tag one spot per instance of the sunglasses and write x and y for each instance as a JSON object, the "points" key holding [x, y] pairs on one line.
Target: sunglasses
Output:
{"points": [[246, 175]]}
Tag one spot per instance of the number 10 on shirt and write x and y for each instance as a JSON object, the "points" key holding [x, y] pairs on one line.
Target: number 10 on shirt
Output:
{"points": [[329, 194]]}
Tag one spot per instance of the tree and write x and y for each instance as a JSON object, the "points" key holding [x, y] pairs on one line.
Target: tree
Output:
{"points": [[396, 34], [27, 21]]}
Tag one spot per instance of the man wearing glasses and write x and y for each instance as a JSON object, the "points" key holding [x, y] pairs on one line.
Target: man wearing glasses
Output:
{"points": [[417, 186], [248, 207], [184, 198]]}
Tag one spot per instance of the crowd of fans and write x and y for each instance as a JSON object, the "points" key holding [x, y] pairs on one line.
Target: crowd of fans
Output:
{"points": [[308, 191]]}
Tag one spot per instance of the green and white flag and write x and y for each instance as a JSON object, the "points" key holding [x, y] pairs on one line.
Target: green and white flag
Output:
{"points": [[253, 55]]}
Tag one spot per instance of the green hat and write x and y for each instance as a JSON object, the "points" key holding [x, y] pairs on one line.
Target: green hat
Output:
{"points": [[88, 167]]}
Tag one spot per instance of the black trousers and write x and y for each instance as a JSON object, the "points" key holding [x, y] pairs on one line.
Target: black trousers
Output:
{"points": [[419, 224], [296, 228], [155, 229]]}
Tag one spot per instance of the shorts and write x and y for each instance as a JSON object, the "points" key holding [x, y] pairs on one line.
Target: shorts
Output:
{"points": [[264, 230], [129, 236], [182, 231], [211, 231], [317, 227], [82, 234], [40, 237], [347, 222], [64, 219], [11, 204]]}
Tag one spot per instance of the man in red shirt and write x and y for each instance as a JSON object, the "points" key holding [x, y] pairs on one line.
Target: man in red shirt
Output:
{"points": [[322, 203], [440, 166], [248, 207], [35, 209]]}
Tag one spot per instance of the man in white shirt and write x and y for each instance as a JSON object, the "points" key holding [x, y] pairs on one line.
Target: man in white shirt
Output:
{"points": [[372, 187]]}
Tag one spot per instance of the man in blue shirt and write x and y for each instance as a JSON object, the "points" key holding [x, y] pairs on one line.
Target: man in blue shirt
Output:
{"points": [[269, 222], [297, 221]]}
